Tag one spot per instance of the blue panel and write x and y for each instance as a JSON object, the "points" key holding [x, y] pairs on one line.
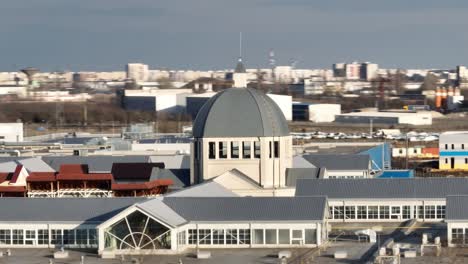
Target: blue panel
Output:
{"points": [[453, 153], [378, 154], [397, 174]]}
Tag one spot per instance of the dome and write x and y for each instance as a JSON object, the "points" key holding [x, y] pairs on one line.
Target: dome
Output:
{"points": [[240, 112]]}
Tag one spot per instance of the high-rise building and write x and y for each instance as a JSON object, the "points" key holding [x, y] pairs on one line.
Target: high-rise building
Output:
{"points": [[137, 72]]}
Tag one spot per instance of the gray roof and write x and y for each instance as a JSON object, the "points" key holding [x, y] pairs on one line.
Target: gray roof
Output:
{"points": [[456, 208], [8, 166], [200, 209], [416, 188], [205, 189], [293, 174], [63, 209], [179, 177], [35, 165], [162, 212], [240, 68], [172, 161], [240, 112], [101, 164], [339, 161]]}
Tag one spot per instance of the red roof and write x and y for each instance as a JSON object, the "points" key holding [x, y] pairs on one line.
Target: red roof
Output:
{"points": [[84, 177], [73, 169], [5, 189], [4, 176], [41, 177], [16, 174], [141, 186]]}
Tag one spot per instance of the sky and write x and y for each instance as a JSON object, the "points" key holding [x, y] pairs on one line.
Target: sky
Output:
{"points": [[57, 35]]}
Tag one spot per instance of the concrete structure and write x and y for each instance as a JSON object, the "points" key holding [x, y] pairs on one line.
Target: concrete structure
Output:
{"points": [[317, 113], [453, 150], [390, 118], [137, 72], [11, 132], [242, 129]]}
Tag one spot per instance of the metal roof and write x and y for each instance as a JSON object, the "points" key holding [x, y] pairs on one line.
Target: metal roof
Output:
{"points": [[9, 166], [293, 174], [172, 161], [180, 177], [35, 165], [240, 112], [63, 209], [95, 163], [412, 188], [339, 161], [456, 208], [200, 209], [206, 189], [162, 212]]}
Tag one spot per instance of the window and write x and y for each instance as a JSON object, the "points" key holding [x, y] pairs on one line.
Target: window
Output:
{"points": [[270, 148], [463, 146], [81, 236], [181, 236], [276, 149], [396, 210], [350, 212], [195, 150], [68, 237], [244, 236], [415, 151], [30, 237], [338, 212], [430, 212], [373, 212], [204, 236], [361, 212], [223, 150], [231, 236], [93, 241], [211, 150], [270, 236], [310, 236], [441, 211], [18, 237], [192, 236], [457, 235], [406, 212], [297, 234], [384, 212], [453, 146], [258, 236], [56, 237], [401, 151], [5, 236], [234, 150], [246, 150], [466, 160], [446, 160], [257, 152], [420, 211], [43, 237], [284, 236], [218, 236], [446, 146]]}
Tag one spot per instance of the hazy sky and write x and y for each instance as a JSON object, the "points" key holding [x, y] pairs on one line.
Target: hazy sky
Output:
{"points": [[203, 34]]}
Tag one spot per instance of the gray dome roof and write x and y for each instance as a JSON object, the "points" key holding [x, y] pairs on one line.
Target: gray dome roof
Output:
{"points": [[240, 112]]}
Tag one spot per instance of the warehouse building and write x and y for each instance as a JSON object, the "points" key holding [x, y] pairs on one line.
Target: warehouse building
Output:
{"points": [[387, 118], [11, 132], [385, 200], [453, 150], [317, 113]]}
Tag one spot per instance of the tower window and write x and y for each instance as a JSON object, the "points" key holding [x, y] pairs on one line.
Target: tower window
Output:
{"points": [[446, 146], [466, 160], [246, 150], [257, 152], [453, 146], [212, 150], [463, 146], [276, 149], [446, 161], [270, 152], [223, 150], [234, 150]]}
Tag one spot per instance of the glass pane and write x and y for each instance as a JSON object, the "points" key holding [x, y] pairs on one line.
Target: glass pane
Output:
{"points": [[297, 233], [137, 221], [270, 236], [284, 237], [310, 236], [258, 236]]}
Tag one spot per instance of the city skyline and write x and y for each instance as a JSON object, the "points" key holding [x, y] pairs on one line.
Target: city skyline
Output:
{"points": [[105, 35]]}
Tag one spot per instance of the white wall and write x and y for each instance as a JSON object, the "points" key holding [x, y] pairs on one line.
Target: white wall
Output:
{"points": [[285, 104], [11, 132], [321, 113]]}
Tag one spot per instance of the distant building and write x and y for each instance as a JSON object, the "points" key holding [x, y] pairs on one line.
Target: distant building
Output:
{"points": [[137, 72], [389, 118], [11, 132], [317, 113], [453, 150]]}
